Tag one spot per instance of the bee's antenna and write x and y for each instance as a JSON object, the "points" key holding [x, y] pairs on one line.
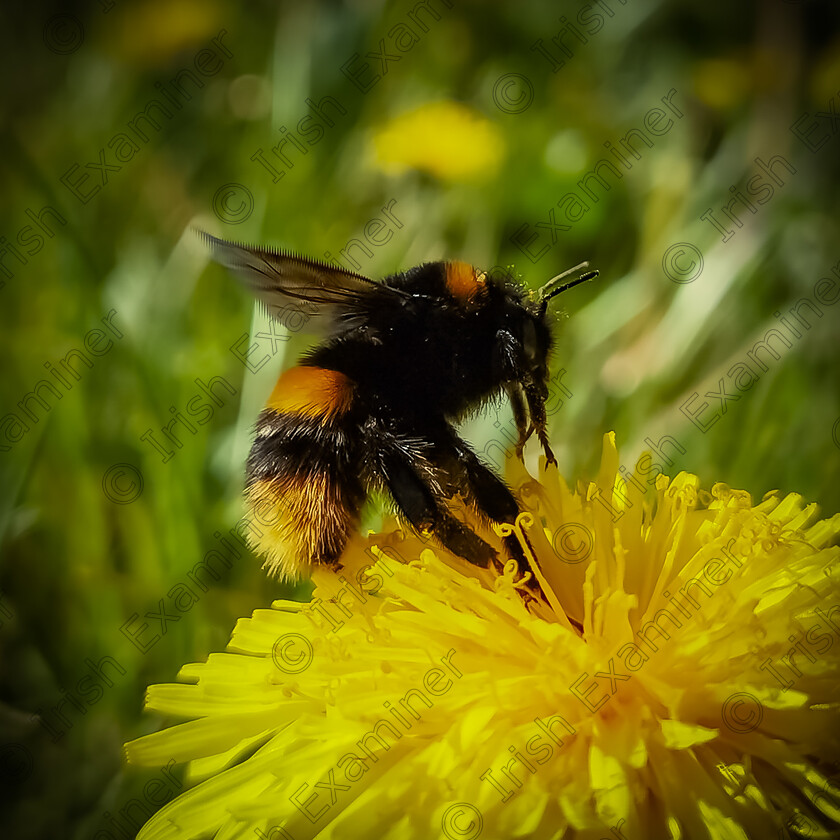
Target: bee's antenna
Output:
{"points": [[590, 275], [550, 289]]}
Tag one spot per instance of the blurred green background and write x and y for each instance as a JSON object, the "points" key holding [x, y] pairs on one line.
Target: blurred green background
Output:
{"points": [[486, 123]]}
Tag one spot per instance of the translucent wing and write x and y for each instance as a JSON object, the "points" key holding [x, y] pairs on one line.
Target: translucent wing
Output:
{"points": [[299, 292]]}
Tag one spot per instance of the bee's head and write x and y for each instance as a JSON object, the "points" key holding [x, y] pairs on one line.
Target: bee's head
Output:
{"points": [[536, 338], [535, 335]]}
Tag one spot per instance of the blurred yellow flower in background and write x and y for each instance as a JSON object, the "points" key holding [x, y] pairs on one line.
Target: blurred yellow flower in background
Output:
{"points": [[689, 696], [446, 139]]}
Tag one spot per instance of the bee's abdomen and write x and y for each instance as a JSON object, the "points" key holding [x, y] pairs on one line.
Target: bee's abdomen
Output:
{"points": [[302, 486], [311, 391]]}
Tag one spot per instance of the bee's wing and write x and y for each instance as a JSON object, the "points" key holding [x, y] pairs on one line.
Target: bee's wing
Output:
{"points": [[299, 292]]}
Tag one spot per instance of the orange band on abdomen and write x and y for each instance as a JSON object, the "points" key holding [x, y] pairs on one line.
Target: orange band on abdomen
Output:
{"points": [[313, 391]]}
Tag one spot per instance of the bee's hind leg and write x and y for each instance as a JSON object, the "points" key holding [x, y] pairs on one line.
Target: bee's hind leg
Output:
{"points": [[426, 511], [492, 499]]}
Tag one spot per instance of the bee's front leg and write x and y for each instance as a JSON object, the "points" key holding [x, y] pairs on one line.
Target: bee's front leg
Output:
{"points": [[520, 415], [536, 393], [525, 377]]}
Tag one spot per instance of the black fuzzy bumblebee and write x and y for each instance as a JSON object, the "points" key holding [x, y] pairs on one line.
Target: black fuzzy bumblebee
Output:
{"points": [[373, 405]]}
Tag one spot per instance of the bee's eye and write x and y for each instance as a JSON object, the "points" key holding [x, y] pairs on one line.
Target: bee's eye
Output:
{"points": [[529, 339]]}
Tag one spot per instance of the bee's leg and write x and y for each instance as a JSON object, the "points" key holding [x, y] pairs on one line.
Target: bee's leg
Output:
{"points": [[520, 416], [535, 394], [517, 370], [490, 496], [427, 513]]}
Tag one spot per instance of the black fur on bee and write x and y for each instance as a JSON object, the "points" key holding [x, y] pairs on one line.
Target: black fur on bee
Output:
{"points": [[373, 405]]}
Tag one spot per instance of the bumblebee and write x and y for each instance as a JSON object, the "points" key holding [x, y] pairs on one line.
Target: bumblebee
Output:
{"points": [[373, 405]]}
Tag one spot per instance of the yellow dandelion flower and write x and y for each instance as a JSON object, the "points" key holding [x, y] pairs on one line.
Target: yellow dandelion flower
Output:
{"points": [[446, 139], [692, 692]]}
